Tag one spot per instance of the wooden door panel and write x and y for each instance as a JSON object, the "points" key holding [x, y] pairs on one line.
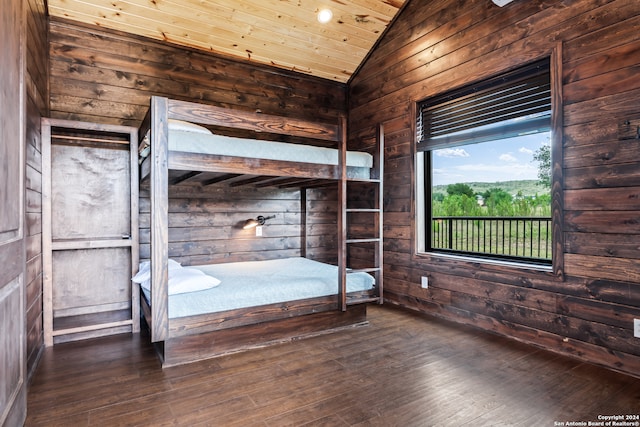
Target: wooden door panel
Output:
{"points": [[10, 125], [90, 192], [91, 281], [10, 192], [12, 260], [11, 343]]}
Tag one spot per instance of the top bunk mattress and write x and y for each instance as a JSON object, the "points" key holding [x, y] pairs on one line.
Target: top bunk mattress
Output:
{"points": [[193, 142], [256, 283], [192, 138]]}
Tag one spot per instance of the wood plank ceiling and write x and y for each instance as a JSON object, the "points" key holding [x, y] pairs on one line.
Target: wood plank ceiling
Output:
{"points": [[282, 33]]}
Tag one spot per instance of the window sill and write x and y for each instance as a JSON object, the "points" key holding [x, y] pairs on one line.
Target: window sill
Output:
{"points": [[519, 265]]}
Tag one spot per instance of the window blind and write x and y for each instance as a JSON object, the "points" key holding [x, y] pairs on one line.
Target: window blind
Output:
{"points": [[509, 105]]}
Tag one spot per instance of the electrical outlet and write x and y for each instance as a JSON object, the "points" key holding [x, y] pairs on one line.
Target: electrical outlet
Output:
{"points": [[636, 328], [259, 230], [424, 282]]}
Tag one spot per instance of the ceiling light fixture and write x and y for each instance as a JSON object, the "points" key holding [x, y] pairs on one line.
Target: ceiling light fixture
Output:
{"points": [[324, 16]]}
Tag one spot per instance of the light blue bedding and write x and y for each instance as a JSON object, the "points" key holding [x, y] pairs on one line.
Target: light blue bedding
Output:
{"points": [[196, 142], [207, 143], [254, 283]]}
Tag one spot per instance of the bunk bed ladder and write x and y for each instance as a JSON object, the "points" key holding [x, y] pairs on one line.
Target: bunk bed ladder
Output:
{"points": [[371, 244]]}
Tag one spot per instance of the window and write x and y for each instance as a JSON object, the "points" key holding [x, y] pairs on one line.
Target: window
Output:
{"points": [[484, 168]]}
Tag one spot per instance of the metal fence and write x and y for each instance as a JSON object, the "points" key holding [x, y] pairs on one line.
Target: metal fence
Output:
{"points": [[511, 237]]}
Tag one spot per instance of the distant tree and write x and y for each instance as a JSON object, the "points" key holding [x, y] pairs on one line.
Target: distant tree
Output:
{"points": [[438, 197], [543, 204], [460, 188], [524, 205], [498, 201], [460, 205], [496, 195], [543, 157]]}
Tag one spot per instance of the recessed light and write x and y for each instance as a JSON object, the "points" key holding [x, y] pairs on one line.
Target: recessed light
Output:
{"points": [[324, 16]]}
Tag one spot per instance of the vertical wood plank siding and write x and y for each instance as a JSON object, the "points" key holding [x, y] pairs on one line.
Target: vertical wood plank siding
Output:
{"points": [[440, 45], [37, 100], [108, 77]]}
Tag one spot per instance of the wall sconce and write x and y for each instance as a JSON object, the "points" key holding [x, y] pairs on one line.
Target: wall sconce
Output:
{"points": [[259, 221]]}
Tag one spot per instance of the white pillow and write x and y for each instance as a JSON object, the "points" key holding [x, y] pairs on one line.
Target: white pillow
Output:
{"points": [[144, 271], [190, 280], [187, 126], [181, 279]]}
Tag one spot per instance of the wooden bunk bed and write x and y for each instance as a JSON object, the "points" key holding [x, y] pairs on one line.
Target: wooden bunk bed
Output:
{"points": [[195, 337]]}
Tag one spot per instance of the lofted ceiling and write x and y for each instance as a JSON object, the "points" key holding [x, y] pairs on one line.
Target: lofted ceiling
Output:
{"points": [[281, 33]]}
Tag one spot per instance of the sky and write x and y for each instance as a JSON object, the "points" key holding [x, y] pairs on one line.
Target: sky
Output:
{"points": [[494, 161]]}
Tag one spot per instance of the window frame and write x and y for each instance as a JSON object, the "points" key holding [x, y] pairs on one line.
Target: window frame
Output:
{"points": [[421, 180]]}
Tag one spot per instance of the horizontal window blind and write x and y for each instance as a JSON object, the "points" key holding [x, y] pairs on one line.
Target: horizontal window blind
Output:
{"points": [[509, 105]]}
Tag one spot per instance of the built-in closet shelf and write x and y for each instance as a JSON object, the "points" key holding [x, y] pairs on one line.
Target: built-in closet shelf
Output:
{"points": [[66, 245], [92, 328]]}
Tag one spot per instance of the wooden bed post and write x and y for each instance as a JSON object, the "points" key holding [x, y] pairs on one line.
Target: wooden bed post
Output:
{"points": [[342, 217], [47, 253], [135, 229], [379, 168], [159, 219], [303, 221]]}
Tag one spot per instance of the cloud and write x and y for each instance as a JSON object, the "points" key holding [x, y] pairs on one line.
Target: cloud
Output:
{"points": [[508, 158], [483, 172], [451, 152], [525, 150], [447, 175]]}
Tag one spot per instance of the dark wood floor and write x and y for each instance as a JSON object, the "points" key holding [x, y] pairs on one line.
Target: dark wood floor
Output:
{"points": [[402, 369]]}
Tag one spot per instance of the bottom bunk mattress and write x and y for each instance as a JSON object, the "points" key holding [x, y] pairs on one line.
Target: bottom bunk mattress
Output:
{"points": [[255, 283]]}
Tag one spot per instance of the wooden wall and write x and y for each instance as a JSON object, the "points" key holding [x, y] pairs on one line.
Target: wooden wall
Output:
{"points": [[434, 46], [37, 99], [205, 224], [108, 77], [321, 234]]}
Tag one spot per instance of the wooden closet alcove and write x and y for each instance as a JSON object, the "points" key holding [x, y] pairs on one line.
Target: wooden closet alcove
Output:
{"points": [[89, 230]]}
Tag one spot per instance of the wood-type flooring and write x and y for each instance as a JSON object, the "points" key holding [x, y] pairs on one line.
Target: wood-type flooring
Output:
{"points": [[403, 369]]}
